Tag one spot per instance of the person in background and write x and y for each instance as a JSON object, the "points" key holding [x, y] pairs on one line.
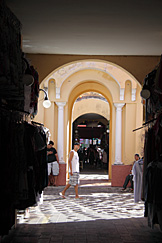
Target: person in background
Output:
{"points": [[91, 155], [104, 159], [74, 171], [53, 161], [81, 157], [130, 176], [85, 154], [98, 164], [137, 172]]}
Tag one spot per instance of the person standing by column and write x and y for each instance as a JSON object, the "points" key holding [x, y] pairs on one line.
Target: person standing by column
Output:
{"points": [[53, 161], [74, 171], [130, 176], [137, 172]]}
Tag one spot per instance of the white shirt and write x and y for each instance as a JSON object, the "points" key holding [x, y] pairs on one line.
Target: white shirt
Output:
{"points": [[75, 162]]}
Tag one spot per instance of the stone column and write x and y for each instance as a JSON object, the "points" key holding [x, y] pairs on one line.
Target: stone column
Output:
{"points": [[118, 133], [60, 134]]}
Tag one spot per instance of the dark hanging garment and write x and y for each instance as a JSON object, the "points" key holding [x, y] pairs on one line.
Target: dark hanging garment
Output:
{"points": [[23, 167], [153, 195], [158, 78]]}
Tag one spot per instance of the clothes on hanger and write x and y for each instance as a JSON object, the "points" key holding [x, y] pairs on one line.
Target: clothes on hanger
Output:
{"points": [[152, 168], [11, 85], [23, 168], [153, 195]]}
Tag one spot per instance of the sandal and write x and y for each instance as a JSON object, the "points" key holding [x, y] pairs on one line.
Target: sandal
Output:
{"points": [[63, 196]]}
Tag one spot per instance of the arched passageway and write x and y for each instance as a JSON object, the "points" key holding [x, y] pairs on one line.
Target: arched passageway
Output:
{"points": [[91, 87], [122, 91], [91, 119], [92, 132]]}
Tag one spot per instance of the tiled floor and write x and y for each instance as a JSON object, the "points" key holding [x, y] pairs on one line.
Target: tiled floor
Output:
{"points": [[105, 214]]}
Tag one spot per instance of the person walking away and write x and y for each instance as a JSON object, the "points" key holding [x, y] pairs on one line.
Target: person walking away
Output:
{"points": [[130, 176], [74, 171], [53, 162]]}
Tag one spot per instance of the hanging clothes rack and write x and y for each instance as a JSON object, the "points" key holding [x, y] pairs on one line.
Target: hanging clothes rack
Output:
{"points": [[37, 123], [144, 124], [152, 168], [13, 110]]}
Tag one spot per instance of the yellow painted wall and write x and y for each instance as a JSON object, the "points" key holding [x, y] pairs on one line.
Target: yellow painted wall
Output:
{"points": [[91, 106], [138, 66], [98, 81], [129, 136], [89, 76], [139, 120]]}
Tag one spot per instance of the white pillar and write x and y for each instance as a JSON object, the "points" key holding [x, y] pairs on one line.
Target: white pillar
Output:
{"points": [[60, 133], [118, 133]]}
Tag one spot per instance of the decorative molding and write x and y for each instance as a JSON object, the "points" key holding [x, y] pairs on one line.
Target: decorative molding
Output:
{"points": [[57, 93], [134, 94], [122, 91], [119, 106], [116, 72], [60, 104]]}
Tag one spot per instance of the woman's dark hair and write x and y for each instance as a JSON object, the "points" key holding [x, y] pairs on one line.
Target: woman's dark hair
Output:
{"points": [[51, 142]]}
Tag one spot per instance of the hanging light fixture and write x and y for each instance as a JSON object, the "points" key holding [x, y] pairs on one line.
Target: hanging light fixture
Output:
{"points": [[46, 102], [145, 92]]}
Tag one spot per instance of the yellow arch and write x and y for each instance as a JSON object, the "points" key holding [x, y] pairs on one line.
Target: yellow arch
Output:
{"points": [[86, 87], [86, 106], [115, 71], [91, 79]]}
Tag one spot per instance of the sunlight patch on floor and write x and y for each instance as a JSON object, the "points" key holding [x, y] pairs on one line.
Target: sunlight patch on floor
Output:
{"points": [[94, 177], [97, 203]]}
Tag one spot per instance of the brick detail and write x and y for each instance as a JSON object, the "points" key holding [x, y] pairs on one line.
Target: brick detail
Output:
{"points": [[119, 173], [61, 179]]}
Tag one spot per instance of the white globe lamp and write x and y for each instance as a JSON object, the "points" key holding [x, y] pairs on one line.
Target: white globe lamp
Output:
{"points": [[46, 103]]}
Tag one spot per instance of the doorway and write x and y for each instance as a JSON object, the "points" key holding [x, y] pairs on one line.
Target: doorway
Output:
{"points": [[90, 127]]}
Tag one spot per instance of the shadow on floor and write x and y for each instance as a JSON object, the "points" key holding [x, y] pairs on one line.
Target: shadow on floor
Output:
{"points": [[116, 230], [91, 169]]}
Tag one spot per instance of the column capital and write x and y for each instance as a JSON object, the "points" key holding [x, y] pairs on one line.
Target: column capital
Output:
{"points": [[119, 105], [60, 104]]}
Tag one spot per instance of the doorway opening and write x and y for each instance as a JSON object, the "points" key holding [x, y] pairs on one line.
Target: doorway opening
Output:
{"points": [[91, 120]]}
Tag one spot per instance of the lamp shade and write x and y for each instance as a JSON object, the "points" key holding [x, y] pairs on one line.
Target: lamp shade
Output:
{"points": [[28, 79], [46, 103], [145, 94]]}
